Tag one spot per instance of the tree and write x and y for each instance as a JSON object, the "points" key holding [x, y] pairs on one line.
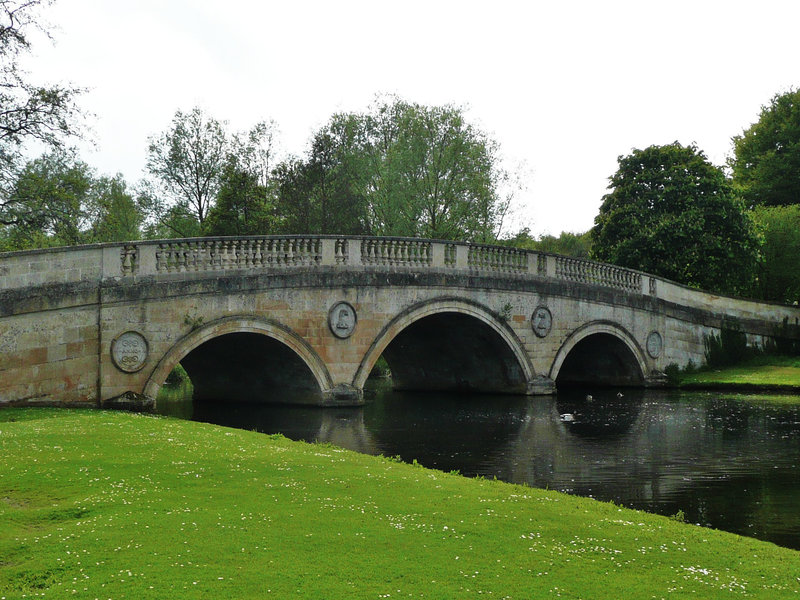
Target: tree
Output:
{"points": [[672, 213], [28, 111], [243, 207], [58, 200], [115, 215], [437, 175], [578, 245], [778, 276], [187, 159], [766, 161], [567, 243], [47, 203], [402, 169], [324, 194]]}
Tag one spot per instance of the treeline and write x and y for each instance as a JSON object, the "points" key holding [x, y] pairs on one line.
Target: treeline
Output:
{"points": [[734, 230], [400, 169]]}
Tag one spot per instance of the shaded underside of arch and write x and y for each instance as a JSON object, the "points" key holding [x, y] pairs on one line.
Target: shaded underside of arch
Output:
{"points": [[599, 355], [456, 352], [247, 359], [250, 367], [450, 344]]}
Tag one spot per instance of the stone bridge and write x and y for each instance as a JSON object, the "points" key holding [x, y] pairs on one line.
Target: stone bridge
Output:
{"points": [[304, 319]]}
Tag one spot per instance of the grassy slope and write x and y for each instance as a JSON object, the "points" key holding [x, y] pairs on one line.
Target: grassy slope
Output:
{"points": [[770, 371], [113, 505]]}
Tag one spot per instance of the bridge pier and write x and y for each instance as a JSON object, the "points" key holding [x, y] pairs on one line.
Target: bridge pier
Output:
{"points": [[343, 395], [541, 386]]}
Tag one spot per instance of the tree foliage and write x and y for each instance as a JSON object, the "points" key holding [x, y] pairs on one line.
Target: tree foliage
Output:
{"points": [[29, 111], [766, 161], [672, 213], [778, 275], [187, 159], [400, 169], [56, 200], [244, 206], [114, 214], [567, 243], [202, 171], [324, 193]]}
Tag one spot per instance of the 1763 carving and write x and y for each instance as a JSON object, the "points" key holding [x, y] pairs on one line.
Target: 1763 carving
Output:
{"points": [[129, 351], [342, 320]]}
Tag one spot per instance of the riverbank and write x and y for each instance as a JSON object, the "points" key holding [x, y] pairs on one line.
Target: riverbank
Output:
{"points": [[119, 505], [761, 373]]}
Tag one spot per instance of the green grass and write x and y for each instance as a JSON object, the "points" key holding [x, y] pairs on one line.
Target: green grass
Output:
{"points": [[768, 371], [100, 504]]}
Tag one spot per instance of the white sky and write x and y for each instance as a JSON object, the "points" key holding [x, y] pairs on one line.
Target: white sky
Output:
{"points": [[565, 87]]}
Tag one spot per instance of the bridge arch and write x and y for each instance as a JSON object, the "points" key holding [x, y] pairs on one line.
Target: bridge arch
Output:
{"points": [[239, 325], [460, 307], [619, 342]]}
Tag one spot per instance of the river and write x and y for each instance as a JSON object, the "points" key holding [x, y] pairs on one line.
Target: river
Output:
{"points": [[723, 460]]}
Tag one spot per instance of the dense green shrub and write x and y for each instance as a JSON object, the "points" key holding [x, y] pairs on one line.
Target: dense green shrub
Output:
{"points": [[727, 348]]}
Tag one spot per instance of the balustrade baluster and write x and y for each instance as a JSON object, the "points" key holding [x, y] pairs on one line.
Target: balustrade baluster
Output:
{"points": [[126, 261], [180, 258], [162, 259], [386, 256]]}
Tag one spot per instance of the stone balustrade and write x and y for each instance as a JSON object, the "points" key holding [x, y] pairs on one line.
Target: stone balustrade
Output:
{"points": [[202, 255], [248, 253], [584, 271]]}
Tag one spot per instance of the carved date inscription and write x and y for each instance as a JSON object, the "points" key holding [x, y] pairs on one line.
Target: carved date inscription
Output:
{"points": [[129, 351]]}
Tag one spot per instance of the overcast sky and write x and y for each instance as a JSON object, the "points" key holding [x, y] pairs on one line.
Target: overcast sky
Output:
{"points": [[564, 87]]}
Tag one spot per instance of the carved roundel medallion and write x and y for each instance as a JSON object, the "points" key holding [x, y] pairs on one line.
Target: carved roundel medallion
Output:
{"points": [[541, 321], [654, 344], [129, 351], [342, 320]]}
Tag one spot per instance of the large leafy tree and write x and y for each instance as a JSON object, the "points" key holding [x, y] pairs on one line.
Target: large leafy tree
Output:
{"points": [[766, 159], [325, 193], [778, 275], [436, 172], [47, 203], [200, 171], [115, 215], [244, 206], [57, 200], [672, 213], [187, 160], [401, 169], [29, 111]]}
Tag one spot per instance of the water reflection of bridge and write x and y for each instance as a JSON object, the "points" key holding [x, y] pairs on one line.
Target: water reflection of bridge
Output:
{"points": [[643, 449]]}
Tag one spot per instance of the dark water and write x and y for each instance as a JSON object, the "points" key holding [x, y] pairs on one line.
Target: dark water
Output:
{"points": [[727, 461]]}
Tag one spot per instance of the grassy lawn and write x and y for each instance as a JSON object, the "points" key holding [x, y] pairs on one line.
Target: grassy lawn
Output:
{"points": [[104, 505], [772, 371]]}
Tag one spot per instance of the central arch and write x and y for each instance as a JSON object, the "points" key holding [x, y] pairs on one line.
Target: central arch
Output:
{"points": [[590, 343], [454, 312], [231, 327]]}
